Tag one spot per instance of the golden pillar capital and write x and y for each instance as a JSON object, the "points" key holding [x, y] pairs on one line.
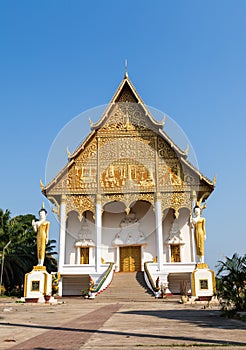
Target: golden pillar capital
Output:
{"points": [[63, 199], [98, 198], [157, 196]]}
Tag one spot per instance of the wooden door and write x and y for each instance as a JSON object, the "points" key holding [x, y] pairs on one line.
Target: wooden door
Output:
{"points": [[130, 259], [84, 255]]}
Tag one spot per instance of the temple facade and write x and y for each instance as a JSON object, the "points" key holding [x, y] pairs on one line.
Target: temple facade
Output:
{"points": [[125, 199]]}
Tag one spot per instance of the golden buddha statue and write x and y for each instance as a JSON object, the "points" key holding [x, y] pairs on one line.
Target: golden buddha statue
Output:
{"points": [[200, 233], [42, 228]]}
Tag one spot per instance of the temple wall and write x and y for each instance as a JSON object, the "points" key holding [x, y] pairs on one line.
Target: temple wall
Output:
{"points": [[112, 217], [175, 231]]}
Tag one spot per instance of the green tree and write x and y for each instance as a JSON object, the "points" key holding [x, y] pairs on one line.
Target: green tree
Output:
{"points": [[21, 254], [231, 283]]}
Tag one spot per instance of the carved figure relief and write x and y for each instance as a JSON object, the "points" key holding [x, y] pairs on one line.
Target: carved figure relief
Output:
{"points": [[175, 233], [127, 174], [85, 176], [130, 232], [85, 235]]}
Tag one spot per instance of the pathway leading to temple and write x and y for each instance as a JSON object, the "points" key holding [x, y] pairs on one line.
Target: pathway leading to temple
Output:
{"points": [[85, 324]]}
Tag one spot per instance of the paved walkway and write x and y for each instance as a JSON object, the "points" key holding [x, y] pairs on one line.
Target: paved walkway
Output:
{"points": [[86, 324]]}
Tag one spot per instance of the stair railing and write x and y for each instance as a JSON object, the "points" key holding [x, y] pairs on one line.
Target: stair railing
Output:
{"points": [[104, 281], [149, 280]]}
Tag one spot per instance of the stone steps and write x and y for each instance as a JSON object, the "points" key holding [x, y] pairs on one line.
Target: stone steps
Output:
{"points": [[125, 287]]}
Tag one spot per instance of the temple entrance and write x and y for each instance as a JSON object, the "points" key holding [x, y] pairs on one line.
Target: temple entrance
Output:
{"points": [[130, 258]]}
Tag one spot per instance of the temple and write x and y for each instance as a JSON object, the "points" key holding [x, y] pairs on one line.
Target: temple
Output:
{"points": [[125, 201]]}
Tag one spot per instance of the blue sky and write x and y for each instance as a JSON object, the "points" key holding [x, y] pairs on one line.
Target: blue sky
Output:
{"points": [[186, 58]]}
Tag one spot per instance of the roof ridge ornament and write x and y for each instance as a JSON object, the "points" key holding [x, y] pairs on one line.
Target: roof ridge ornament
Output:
{"points": [[126, 69], [41, 185], [214, 180], [187, 150], [163, 121], [91, 123], [68, 153]]}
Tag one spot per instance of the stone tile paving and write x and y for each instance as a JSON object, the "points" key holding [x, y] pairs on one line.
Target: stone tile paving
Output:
{"points": [[85, 324], [164, 326]]}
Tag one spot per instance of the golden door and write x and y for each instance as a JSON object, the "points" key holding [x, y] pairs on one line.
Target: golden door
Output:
{"points": [[84, 256], [130, 259]]}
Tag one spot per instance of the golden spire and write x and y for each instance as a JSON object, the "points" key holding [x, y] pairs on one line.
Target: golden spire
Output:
{"points": [[126, 68]]}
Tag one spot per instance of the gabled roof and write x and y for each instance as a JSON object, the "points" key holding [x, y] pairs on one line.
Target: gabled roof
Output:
{"points": [[126, 92], [126, 87]]}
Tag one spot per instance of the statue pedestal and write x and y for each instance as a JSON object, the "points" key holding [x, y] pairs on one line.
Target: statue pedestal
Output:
{"points": [[203, 282], [37, 285]]}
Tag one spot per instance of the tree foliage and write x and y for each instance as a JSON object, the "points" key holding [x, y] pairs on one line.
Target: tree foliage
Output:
{"points": [[21, 255], [231, 283]]}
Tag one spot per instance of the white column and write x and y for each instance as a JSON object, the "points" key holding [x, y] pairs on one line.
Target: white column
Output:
{"points": [[192, 231], [61, 256], [117, 263], [78, 256], [159, 238], [98, 233], [60, 287]]}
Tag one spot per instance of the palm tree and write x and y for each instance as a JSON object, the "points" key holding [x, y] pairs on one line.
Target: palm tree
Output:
{"points": [[50, 262], [232, 283]]}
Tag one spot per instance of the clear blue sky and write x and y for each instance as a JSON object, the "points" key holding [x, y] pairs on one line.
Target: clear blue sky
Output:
{"points": [[186, 58]]}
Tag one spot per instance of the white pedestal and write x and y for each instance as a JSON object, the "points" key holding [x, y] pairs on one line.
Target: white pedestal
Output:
{"points": [[38, 284], [203, 282]]}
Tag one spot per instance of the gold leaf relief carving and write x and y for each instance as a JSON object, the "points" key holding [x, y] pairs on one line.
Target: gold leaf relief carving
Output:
{"points": [[80, 204], [115, 148], [170, 176], [127, 96], [164, 149], [85, 176], [128, 198], [176, 200], [126, 116], [127, 175], [89, 152]]}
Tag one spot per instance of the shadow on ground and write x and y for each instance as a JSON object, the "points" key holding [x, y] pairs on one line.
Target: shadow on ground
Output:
{"points": [[202, 318]]}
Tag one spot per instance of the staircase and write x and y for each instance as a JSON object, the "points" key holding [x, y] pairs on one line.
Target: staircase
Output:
{"points": [[126, 287]]}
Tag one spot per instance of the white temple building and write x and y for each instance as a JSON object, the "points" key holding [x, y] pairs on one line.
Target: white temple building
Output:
{"points": [[125, 201]]}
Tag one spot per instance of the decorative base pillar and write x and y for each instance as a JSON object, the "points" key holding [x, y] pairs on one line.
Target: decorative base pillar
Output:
{"points": [[37, 285], [203, 282]]}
